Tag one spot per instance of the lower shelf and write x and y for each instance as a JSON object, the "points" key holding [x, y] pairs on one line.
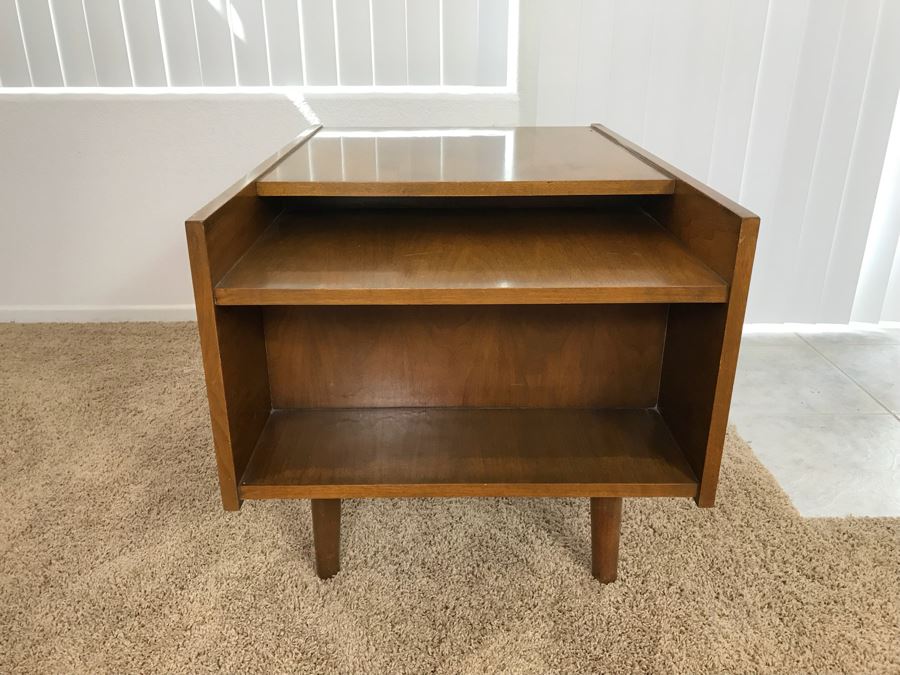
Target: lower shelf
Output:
{"points": [[456, 452]]}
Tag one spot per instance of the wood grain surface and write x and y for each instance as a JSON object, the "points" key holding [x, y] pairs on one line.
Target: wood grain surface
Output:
{"points": [[606, 526], [702, 342], [518, 356], [522, 161], [326, 522], [231, 339], [436, 452], [472, 256]]}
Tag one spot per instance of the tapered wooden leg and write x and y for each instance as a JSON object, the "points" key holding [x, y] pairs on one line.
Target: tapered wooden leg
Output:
{"points": [[326, 521], [606, 522]]}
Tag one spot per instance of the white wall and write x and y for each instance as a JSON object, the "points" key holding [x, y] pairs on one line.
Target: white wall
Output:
{"points": [[97, 187], [783, 105], [96, 191]]}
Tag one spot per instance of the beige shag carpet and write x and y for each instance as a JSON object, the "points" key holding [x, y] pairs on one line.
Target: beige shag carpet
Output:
{"points": [[115, 555]]}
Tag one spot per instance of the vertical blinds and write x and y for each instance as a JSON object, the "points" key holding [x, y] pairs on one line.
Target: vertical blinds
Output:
{"points": [[327, 43], [783, 105]]}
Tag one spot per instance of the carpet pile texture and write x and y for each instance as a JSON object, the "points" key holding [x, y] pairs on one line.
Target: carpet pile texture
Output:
{"points": [[115, 554]]}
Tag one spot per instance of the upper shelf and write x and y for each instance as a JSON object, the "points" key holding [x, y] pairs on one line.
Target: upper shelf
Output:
{"points": [[475, 162], [467, 256]]}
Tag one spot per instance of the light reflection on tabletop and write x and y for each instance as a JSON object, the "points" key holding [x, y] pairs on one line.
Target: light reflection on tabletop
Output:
{"points": [[536, 154]]}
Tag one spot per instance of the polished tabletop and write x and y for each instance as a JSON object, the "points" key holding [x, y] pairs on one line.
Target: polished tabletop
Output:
{"points": [[437, 162]]}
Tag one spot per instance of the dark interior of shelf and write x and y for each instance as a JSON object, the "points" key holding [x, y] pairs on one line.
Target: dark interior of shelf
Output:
{"points": [[422, 452], [476, 256]]}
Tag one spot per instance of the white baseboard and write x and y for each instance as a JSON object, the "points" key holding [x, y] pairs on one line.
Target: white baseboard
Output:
{"points": [[765, 328], [119, 313], [95, 313]]}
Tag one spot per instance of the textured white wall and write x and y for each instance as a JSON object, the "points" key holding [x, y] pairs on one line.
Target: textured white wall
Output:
{"points": [[96, 191], [96, 187]]}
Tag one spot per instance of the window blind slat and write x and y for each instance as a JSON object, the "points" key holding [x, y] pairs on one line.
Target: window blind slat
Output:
{"points": [[423, 42], [460, 43], [734, 105], [827, 199], [13, 64], [802, 138], [871, 131], [249, 36], [74, 45], [492, 42], [107, 36], [354, 42], [556, 75], [40, 43], [318, 47], [214, 41], [180, 42], [144, 44], [322, 43], [283, 29], [596, 26], [878, 293], [630, 67], [389, 41]]}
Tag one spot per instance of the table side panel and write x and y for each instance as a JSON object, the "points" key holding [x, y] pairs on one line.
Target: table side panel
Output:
{"points": [[699, 364], [234, 363], [232, 339], [702, 342]]}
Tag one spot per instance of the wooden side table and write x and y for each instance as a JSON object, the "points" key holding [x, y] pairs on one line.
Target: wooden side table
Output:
{"points": [[530, 312]]}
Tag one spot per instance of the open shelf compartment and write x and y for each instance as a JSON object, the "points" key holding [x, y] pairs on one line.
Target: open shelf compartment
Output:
{"points": [[444, 452], [468, 256], [528, 312]]}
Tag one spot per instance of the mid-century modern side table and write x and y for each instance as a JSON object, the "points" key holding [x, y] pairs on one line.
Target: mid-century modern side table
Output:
{"points": [[530, 312]]}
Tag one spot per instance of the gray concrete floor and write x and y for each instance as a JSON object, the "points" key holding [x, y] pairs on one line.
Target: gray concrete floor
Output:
{"points": [[821, 409]]}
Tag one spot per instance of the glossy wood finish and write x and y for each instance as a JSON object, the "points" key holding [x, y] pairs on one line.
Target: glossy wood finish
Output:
{"points": [[702, 343], [522, 161], [232, 342], [469, 314], [500, 356], [606, 524], [479, 256], [326, 524], [445, 452]]}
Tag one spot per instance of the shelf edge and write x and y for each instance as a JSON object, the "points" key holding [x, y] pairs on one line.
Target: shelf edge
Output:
{"points": [[464, 189], [418, 490], [500, 296]]}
